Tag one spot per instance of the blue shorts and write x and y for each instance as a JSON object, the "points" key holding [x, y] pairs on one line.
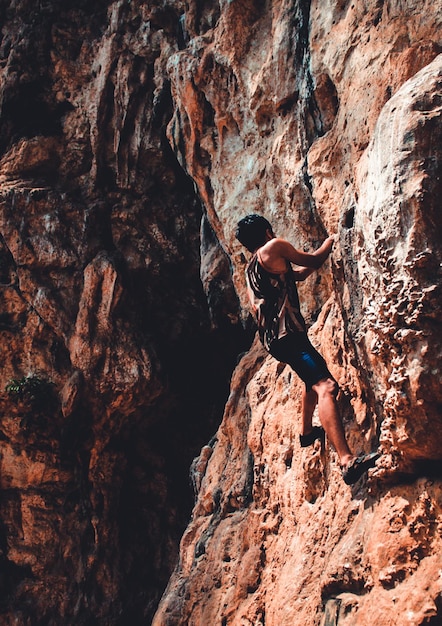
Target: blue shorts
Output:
{"points": [[296, 350]]}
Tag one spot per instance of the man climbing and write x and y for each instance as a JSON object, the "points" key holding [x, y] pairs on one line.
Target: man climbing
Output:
{"points": [[271, 284]]}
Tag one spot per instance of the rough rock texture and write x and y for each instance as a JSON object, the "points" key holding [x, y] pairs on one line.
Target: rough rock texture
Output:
{"points": [[106, 335], [325, 117], [133, 136]]}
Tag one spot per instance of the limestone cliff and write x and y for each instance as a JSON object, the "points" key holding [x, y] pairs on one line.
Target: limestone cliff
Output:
{"points": [[326, 118], [108, 385], [133, 137]]}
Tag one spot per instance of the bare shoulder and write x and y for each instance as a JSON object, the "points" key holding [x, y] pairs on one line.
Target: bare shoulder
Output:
{"points": [[280, 251], [275, 246], [280, 244], [281, 248], [274, 256]]}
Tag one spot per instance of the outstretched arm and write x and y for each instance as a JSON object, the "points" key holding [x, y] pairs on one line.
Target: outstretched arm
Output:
{"points": [[275, 254], [304, 259]]}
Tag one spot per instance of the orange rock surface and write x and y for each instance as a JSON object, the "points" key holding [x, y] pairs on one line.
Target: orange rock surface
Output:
{"points": [[326, 118], [133, 137], [107, 385]]}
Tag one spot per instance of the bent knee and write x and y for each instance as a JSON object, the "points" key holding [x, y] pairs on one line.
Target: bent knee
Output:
{"points": [[326, 386]]}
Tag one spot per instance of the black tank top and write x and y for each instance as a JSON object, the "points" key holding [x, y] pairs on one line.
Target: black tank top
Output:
{"points": [[275, 302]]}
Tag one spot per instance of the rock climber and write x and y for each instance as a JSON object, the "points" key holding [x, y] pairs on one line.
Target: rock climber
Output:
{"points": [[271, 284]]}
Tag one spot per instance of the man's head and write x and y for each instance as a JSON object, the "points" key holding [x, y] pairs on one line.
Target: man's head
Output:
{"points": [[252, 231]]}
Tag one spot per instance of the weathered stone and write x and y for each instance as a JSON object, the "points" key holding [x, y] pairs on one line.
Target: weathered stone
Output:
{"points": [[101, 295], [334, 127], [133, 136]]}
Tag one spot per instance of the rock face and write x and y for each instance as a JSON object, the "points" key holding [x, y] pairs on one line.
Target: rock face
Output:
{"points": [[107, 339], [325, 117], [134, 135]]}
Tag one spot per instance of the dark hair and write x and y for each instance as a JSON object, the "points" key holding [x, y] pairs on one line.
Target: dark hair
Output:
{"points": [[251, 231]]}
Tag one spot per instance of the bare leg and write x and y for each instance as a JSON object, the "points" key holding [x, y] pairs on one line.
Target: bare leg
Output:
{"points": [[326, 390], [309, 402]]}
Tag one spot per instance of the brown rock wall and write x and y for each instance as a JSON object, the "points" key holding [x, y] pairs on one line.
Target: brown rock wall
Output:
{"points": [[325, 117], [102, 306], [133, 137]]}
